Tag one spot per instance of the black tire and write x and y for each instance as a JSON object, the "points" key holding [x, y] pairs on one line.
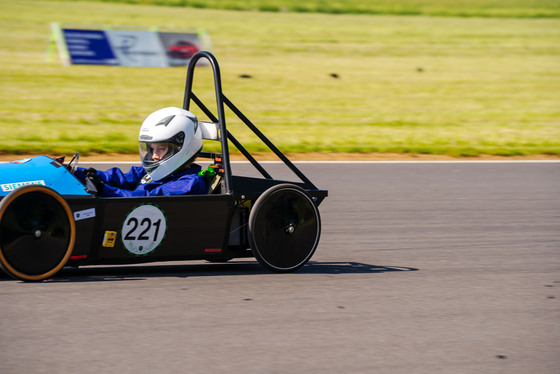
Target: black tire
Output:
{"points": [[37, 233], [284, 228]]}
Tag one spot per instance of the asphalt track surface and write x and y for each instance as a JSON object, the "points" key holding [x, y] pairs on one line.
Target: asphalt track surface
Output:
{"points": [[422, 268]]}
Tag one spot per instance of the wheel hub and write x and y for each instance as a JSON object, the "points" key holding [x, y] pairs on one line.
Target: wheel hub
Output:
{"points": [[290, 229]]}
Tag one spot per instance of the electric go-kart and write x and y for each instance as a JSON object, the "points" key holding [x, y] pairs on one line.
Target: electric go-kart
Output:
{"points": [[49, 219]]}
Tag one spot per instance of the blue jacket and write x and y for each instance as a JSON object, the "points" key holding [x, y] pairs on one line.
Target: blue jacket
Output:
{"points": [[117, 183]]}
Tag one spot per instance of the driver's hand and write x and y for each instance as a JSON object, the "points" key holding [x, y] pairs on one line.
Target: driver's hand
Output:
{"points": [[90, 172], [93, 184]]}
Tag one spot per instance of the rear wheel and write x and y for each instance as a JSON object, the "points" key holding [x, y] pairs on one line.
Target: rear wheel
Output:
{"points": [[37, 233], [284, 228]]}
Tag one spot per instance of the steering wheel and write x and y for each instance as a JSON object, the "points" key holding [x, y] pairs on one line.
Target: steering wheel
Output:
{"points": [[73, 164]]}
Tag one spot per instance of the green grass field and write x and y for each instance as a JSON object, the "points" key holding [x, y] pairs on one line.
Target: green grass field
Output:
{"points": [[455, 8], [407, 84]]}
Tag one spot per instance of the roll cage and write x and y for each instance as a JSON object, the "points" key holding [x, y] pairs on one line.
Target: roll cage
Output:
{"points": [[238, 185]]}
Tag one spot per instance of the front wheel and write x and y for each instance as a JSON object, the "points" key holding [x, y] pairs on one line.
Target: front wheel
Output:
{"points": [[284, 228], [37, 233]]}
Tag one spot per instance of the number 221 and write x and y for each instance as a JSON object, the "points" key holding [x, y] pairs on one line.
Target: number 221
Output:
{"points": [[146, 225]]}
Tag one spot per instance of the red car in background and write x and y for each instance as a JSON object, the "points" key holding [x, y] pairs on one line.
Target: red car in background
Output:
{"points": [[182, 49]]}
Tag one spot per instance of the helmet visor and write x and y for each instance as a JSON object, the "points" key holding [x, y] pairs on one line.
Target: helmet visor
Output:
{"points": [[154, 154]]}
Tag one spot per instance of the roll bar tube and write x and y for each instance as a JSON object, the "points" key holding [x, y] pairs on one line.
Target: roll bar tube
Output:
{"points": [[225, 135]]}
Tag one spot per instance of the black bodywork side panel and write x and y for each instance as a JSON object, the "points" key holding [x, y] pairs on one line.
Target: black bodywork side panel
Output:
{"points": [[194, 227]]}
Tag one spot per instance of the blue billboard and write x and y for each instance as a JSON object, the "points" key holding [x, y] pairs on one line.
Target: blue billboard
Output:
{"points": [[89, 47]]}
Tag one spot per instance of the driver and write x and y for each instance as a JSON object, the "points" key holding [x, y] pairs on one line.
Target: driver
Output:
{"points": [[169, 141]]}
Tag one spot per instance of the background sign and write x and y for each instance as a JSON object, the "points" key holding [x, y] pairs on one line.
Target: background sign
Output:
{"points": [[102, 46], [137, 48], [89, 47]]}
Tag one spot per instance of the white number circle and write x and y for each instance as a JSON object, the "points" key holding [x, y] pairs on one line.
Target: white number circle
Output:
{"points": [[143, 229]]}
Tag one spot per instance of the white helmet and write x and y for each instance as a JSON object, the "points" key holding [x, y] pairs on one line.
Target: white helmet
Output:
{"points": [[177, 129]]}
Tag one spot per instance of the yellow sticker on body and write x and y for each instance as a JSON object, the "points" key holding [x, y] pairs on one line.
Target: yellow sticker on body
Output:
{"points": [[109, 239]]}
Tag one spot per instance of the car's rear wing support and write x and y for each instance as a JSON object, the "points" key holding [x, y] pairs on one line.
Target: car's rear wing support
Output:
{"points": [[221, 99]]}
